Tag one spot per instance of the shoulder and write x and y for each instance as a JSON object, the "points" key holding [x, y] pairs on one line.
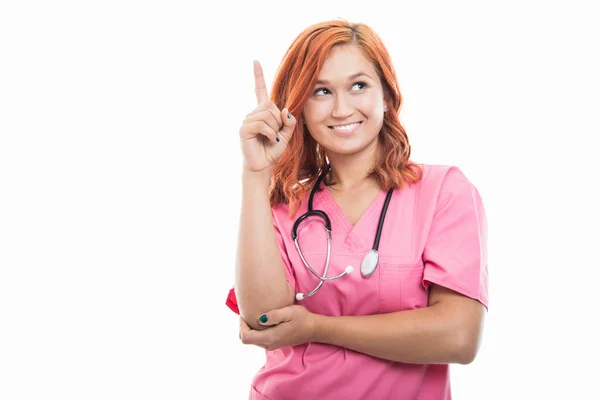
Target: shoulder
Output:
{"points": [[443, 184], [443, 177], [436, 173], [281, 211]]}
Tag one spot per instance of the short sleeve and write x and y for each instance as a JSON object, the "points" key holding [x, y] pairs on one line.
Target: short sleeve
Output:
{"points": [[455, 254], [231, 300]]}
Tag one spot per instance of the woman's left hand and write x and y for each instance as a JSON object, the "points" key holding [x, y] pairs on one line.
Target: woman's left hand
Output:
{"points": [[289, 326]]}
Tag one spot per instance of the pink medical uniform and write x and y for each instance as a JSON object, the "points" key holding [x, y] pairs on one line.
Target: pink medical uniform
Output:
{"points": [[435, 231]]}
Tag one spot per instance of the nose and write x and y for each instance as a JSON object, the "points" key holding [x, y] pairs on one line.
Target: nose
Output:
{"points": [[342, 107]]}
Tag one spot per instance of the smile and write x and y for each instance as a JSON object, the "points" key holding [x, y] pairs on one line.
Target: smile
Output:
{"points": [[348, 128]]}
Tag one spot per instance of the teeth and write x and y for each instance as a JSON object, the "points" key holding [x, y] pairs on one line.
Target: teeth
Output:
{"points": [[346, 128]]}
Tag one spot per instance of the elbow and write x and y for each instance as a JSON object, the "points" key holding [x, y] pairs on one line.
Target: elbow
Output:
{"points": [[468, 334], [466, 348], [466, 356], [251, 320], [252, 308], [251, 317]]}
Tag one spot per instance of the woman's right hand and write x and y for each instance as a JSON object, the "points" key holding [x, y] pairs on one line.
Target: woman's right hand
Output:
{"points": [[266, 131]]}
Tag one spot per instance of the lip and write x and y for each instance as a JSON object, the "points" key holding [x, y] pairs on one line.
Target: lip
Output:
{"points": [[346, 133]]}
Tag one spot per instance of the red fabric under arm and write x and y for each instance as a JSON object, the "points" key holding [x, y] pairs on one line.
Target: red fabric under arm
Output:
{"points": [[231, 301]]}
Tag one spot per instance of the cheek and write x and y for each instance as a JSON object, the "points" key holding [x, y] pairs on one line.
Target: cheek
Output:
{"points": [[317, 111], [371, 106]]}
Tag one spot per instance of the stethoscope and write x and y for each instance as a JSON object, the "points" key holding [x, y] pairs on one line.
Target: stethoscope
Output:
{"points": [[370, 260]]}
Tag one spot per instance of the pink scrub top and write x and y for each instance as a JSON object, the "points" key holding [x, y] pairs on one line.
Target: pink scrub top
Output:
{"points": [[435, 231]]}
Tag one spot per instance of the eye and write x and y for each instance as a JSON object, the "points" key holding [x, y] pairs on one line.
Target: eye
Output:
{"points": [[321, 92], [361, 85]]}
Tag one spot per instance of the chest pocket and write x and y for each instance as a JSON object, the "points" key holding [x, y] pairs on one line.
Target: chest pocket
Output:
{"points": [[350, 295], [400, 286]]}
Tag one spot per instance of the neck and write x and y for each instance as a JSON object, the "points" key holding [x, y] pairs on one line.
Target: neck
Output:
{"points": [[349, 172]]}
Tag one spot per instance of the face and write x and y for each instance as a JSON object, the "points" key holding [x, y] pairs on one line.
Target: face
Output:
{"points": [[345, 111]]}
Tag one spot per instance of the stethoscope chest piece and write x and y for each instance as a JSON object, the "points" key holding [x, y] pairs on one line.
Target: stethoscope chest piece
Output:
{"points": [[369, 263]]}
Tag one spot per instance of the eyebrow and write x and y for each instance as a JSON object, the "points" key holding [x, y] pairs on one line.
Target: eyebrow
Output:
{"points": [[351, 77]]}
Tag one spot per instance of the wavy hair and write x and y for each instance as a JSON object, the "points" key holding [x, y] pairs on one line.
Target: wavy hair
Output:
{"points": [[303, 160]]}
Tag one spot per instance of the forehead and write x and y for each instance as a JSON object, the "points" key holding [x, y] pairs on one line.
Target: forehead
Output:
{"points": [[345, 60]]}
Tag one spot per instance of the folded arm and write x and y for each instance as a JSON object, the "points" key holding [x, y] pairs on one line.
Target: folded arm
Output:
{"points": [[447, 331]]}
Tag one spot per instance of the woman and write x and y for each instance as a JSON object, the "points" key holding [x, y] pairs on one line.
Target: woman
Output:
{"points": [[394, 318]]}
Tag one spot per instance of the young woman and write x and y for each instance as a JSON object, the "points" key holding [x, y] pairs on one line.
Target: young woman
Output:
{"points": [[407, 244]]}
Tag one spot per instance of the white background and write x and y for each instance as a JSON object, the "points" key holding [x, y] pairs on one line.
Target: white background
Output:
{"points": [[120, 190]]}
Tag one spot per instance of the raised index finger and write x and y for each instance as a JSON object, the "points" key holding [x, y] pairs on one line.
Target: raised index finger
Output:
{"points": [[260, 86]]}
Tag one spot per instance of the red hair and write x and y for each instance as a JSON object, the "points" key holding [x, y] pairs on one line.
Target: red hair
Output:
{"points": [[298, 168]]}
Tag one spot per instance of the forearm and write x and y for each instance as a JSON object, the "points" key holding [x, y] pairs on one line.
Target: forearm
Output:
{"points": [[430, 335], [260, 281]]}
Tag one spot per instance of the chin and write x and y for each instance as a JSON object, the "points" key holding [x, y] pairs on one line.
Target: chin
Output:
{"points": [[346, 150], [346, 147]]}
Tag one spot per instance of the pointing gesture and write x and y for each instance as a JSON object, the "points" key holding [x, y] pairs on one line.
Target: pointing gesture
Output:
{"points": [[266, 131], [260, 87]]}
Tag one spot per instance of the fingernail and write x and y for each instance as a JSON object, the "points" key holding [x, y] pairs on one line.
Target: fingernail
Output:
{"points": [[263, 318], [277, 139], [289, 115]]}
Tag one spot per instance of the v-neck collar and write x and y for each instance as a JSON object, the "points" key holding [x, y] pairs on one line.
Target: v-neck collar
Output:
{"points": [[356, 237]]}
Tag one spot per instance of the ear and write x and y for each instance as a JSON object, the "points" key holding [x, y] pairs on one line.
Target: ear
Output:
{"points": [[386, 92], [386, 98]]}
